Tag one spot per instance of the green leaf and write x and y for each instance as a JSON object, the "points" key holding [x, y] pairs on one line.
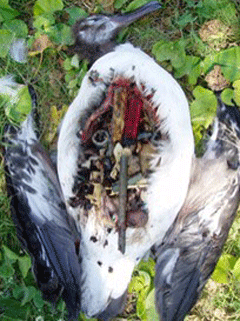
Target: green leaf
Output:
{"points": [[44, 22], [236, 270], [223, 267], [170, 50], [228, 59], [17, 27], [13, 309], [6, 269], [61, 34], [227, 96], [28, 294], [67, 64], [47, 6], [118, 4], [75, 13], [18, 292], [151, 312], [25, 294], [220, 276], [16, 112], [236, 86], [203, 108], [133, 5], [38, 300], [24, 104], [6, 38], [6, 12], [24, 263], [191, 68], [147, 266], [10, 254]]}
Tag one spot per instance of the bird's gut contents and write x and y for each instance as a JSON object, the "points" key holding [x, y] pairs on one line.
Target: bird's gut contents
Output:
{"points": [[125, 122]]}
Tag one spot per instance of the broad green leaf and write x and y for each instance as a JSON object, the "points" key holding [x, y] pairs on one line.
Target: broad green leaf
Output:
{"points": [[13, 309], [28, 294], [118, 4], [230, 63], [162, 50], [10, 254], [223, 267], [6, 38], [44, 22], [17, 111], [67, 65], [191, 68], [61, 34], [203, 108], [208, 62], [6, 12], [18, 292], [24, 103], [140, 282], [38, 300], [147, 266], [170, 50], [6, 269], [228, 59], [133, 5], [236, 86], [236, 270], [17, 27], [151, 312], [179, 58], [227, 96], [220, 276], [75, 13], [24, 263], [47, 6]]}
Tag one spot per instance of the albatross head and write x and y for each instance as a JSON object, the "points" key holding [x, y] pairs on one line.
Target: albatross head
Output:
{"points": [[95, 35]]}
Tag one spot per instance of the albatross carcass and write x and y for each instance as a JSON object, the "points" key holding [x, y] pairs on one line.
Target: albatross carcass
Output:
{"points": [[125, 158], [128, 110]]}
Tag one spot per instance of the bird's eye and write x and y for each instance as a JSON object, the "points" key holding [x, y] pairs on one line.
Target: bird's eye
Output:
{"points": [[84, 27]]}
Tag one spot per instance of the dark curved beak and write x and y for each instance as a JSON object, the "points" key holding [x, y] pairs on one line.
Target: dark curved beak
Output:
{"points": [[128, 18]]}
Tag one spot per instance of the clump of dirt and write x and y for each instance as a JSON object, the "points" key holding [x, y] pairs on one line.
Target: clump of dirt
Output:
{"points": [[216, 34], [215, 79]]}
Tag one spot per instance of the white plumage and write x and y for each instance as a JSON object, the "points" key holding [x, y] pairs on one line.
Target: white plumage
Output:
{"points": [[167, 185]]}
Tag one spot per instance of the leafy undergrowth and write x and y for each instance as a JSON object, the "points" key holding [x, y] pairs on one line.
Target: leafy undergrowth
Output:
{"points": [[198, 42]]}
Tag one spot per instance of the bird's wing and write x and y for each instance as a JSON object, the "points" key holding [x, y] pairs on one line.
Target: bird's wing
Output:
{"points": [[192, 246], [43, 225]]}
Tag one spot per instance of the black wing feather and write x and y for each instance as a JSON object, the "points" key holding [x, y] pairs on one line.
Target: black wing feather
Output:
{"points": [[43, 225]]}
